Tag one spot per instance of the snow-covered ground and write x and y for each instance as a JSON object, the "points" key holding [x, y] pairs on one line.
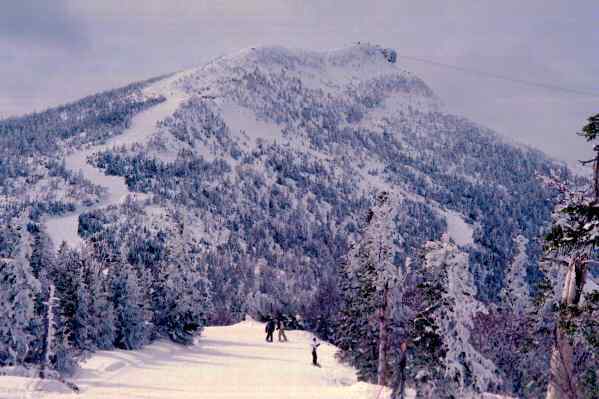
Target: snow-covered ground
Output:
{"points": [[226, 362], [516, 290], [243, 124], [460, 231], [143, 125]]}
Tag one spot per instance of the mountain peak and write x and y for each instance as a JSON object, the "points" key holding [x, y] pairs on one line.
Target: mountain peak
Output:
{"points": [[361, 67], [357, 54]]}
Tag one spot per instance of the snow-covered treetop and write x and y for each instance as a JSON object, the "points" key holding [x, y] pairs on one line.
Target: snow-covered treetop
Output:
{"points": [[575, 221]]}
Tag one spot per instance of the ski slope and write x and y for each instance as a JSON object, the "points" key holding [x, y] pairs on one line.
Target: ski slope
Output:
{"points": [[225, 363], [460, 231], [143, 125]]}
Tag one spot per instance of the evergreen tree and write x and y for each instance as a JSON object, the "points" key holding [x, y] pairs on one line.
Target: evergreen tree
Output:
{"points": [[127, 299], [574, 237], [100, 309], [74, 299], [367, 278], [356, 327], [42, 252], [428, 366], [102, 316], [42, 263], [450, 293], [61, 353], [182, 293], [18, 289], [49, 336]]}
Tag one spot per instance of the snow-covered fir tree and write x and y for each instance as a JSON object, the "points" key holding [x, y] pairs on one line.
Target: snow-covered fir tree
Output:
{"points": [[102, 316], [61, 353], [572, 243], [18, 289], [367, 280], [357, 336], [182, 297], [455, 308], [128, 302], [74, 298], [42, 264]]}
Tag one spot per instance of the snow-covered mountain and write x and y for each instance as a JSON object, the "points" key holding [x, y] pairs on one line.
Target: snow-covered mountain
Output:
{"points": [[267, 161], [317, 133]]}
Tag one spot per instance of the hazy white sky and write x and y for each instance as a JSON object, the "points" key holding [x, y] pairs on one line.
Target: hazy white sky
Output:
{"points": [[56, 51]]}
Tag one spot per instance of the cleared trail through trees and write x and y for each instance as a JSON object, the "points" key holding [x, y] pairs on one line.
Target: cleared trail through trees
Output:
{"points": [[143, 125], [225, 363]]}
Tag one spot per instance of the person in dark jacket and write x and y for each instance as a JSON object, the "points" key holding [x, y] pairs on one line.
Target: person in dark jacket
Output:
{"points": [[270, 329], [400, 378], [314, 344]]}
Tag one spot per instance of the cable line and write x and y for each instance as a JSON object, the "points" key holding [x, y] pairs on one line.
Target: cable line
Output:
{"points": [[486, 74]]}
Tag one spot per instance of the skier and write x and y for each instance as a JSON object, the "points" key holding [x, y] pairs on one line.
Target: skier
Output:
{"points": [[281, 328], [270, 329], [314, 344], [400, 378]]}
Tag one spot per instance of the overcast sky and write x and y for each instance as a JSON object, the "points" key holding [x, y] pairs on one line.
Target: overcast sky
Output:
{"points": [[53, 51]]}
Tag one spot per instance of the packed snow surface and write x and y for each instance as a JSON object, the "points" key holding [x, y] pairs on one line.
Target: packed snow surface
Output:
{"points": [[225, 363]]}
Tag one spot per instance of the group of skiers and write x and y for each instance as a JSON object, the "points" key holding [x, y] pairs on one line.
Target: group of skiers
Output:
{"points": [[279, 325], [270, 329]]}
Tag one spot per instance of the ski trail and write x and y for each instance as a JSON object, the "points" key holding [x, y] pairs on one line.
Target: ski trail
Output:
{"points": [[143, 125], [232, 362]]}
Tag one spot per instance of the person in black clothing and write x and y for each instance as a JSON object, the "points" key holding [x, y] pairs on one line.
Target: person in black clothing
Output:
{"points": [[270, 329], [314, 344], [400, 379]]}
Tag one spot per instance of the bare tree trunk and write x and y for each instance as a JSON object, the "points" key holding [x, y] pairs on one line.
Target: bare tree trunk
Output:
{"points": [[383, 339], [562, 384], [49, 333]]}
